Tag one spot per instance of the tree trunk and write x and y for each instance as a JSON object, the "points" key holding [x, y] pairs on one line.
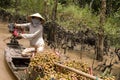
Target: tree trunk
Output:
{"points": [[16, 6], [91, 3], [46, 14], [53, 17], [100, 46], [100, 41], [54, 12]]}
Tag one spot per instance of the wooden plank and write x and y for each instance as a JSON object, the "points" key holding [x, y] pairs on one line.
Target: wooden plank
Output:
{"points": [[79, 72]]}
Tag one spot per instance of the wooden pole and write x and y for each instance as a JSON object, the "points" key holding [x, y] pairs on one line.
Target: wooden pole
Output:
{"points": [[79, 72]]}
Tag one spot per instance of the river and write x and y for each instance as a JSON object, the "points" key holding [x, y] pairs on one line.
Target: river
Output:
{"points": [[5, 73]]}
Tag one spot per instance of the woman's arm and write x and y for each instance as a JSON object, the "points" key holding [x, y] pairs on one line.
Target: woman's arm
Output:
{"points": [[32, 35], [22, 25]]}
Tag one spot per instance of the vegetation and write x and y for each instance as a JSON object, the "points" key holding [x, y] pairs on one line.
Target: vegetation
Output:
{"points": [[101, 16], [47, 67], [74, 15]]}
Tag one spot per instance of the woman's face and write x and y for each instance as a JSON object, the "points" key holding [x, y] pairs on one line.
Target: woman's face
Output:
{"points": [[36, 21]]}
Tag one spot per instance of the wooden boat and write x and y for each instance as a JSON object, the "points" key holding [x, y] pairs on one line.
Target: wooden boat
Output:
{"points": [[15, 61]]}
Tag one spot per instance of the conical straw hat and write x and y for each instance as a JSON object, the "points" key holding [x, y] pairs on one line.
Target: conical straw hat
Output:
{"points": [[36, 15]]}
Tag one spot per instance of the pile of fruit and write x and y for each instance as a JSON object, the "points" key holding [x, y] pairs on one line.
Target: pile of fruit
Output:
{"points": [[42, 67], [109, 78]]}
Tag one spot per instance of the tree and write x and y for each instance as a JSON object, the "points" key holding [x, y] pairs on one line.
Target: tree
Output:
{"points": [[100, 40], [46, 9], [5, 3], [54, 11]]}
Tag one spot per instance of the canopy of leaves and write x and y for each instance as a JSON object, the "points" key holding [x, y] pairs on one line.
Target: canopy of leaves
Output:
{"points": [[112, 28], [5, 3], [75, 18]]}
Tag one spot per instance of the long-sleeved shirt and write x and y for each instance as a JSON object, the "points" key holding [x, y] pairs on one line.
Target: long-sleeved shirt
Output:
{"points": [[35, 34]]}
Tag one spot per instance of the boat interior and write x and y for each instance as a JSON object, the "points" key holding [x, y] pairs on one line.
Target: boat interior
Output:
{"points": [[19, 63]]}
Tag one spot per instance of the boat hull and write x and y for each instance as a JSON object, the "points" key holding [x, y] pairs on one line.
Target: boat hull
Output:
{"points": [[16, 63]]}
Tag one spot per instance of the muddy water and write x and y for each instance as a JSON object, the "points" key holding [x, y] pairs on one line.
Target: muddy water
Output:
{"points": [[5, 73]]}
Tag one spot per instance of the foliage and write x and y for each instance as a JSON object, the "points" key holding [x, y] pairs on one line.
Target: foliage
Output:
{"points": [[5, 3], [112, 28], [25, 7], [74, 18], [31, 6]]}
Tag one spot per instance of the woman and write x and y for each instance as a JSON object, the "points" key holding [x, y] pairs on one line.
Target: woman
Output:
{"points": [[35, 35]]}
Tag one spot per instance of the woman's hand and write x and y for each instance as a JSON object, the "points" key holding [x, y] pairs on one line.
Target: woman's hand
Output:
{"points": [[19, 36], [15, 24]]}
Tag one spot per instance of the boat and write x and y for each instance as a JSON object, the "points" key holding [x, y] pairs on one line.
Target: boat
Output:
{"points": [[16, 63]]}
